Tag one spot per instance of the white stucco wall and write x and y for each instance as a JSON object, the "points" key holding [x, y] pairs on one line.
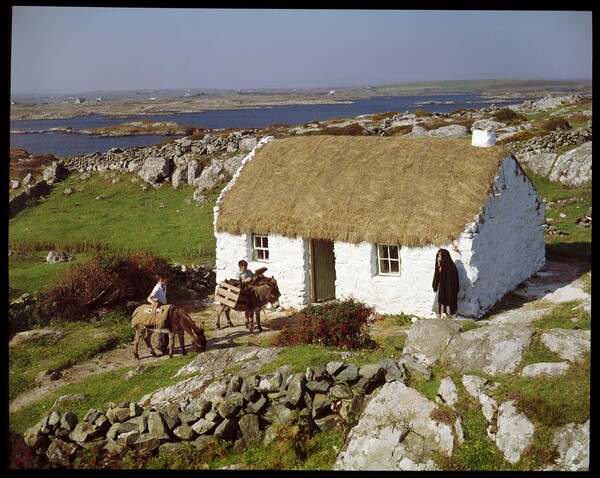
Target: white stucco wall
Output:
{"points": [[410, 292], [495, 253], [507, 246]]}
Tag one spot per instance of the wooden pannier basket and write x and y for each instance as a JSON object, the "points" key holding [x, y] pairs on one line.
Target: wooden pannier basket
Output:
{"points": [[232, 296]]}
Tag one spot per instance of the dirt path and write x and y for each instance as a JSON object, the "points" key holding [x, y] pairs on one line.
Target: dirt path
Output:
{"points": [[557, 282], [122, 356]]}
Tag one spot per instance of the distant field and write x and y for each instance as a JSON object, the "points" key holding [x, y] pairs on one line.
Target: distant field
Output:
{"points": [[506, 86]]}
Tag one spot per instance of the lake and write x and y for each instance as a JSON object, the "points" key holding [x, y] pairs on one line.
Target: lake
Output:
{"points": [[66, 145]]}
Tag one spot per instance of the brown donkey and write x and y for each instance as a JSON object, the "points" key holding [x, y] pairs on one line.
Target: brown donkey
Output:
{"points": [[178, 322], [263, 290]]}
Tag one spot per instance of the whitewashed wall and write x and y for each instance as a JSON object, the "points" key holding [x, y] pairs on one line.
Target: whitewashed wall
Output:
{"points": [[496, 252], [410, 292], [506, 247]]}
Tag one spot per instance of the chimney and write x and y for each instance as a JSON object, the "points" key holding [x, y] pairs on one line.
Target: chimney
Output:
{"points": [[483, 138]]}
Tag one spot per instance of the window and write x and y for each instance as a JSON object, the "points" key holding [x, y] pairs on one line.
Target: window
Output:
{"points": [[260, 248], [388, 259]]}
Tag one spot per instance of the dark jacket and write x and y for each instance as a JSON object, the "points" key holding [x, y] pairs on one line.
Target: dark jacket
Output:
{"points": [[447, 281]]}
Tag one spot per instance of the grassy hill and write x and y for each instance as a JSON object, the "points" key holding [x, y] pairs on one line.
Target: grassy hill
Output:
{"points": [[127, 216]]}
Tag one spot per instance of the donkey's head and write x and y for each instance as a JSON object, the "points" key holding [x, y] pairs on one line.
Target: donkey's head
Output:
{"points": [[268, 291], [199, 339]]}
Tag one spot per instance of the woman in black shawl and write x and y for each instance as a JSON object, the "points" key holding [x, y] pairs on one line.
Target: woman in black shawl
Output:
{"points": [[445, 285]]}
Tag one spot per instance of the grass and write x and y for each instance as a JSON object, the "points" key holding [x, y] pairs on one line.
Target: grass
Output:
{"points": [[29, 272], [76, 343], [166, 221], [574, 242], [102, 389], [548, 402]]}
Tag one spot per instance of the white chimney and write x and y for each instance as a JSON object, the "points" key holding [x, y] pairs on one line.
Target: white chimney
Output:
{"points": [[483, 138]]}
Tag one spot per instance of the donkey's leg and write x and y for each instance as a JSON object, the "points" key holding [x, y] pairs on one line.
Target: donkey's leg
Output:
{"points": [[171, 343], [136, 342], [221, 310], [147, 337], [182, 342], [228, 315], [250, 318], [259, 328]]}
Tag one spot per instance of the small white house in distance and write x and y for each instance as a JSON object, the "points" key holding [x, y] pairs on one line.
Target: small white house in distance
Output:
{"points": [[363, 217]]}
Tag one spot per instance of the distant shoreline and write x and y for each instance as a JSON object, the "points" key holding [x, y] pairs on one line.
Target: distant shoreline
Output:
{"points": [[170, 102]]}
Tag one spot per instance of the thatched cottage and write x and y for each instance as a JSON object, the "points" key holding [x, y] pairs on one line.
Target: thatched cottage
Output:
{"points": [[363, 217]]}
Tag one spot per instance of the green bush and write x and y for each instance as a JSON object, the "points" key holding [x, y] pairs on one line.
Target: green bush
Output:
{"points": [[21, 319], [337, 323]]}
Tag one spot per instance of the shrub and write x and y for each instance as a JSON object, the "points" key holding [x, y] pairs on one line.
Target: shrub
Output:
{"points": [[399, 130], [353, 129], [383, 116], [107, 280], [518, 137], [556, 123], [578, 119], [422, 113], [508, 116], [337, 323], [21, 319], [21, 456]]}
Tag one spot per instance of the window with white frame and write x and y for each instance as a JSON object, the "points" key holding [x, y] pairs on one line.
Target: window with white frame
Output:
{"points": [[388, 259], [260, 248]]}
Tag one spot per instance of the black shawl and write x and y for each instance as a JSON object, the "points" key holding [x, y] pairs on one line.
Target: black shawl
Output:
{"points": [[447, 280]]}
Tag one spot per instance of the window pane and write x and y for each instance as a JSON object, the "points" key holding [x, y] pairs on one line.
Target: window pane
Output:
{"points": [[265, 242], [388, 259]]}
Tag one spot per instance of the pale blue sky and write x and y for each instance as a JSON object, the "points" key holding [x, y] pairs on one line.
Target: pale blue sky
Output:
{"points": [[80, 49]]}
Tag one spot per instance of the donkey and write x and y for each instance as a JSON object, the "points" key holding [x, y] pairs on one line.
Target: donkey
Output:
{"points": [[263, 290], [178, 321]]}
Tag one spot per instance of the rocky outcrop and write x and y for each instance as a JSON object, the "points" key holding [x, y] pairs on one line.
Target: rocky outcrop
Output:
{"points": [[572, 169]]}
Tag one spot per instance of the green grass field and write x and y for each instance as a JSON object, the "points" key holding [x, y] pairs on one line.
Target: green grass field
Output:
{"points": [[122, 216]]}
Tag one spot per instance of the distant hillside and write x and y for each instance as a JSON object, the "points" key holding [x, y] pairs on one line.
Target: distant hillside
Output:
{"points": [[457, 86]]}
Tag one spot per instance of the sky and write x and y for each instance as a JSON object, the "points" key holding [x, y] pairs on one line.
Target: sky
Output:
{"points": [[66, 50]]}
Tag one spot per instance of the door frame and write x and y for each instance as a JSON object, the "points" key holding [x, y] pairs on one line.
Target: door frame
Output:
{"points": [[313, 273]]}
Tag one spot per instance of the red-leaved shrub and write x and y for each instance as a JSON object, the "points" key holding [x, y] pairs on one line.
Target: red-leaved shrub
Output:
{"points": [[107, 280], [343, 324]]}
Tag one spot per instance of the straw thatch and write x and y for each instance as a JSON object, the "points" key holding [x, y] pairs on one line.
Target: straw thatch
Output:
{"points": [[391, 190]]}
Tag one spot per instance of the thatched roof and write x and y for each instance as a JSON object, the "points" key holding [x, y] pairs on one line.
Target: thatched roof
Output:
{"points": [[393, 190]]}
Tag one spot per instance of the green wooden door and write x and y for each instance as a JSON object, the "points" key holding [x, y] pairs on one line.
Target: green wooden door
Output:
{"points": [[322, 270]]}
